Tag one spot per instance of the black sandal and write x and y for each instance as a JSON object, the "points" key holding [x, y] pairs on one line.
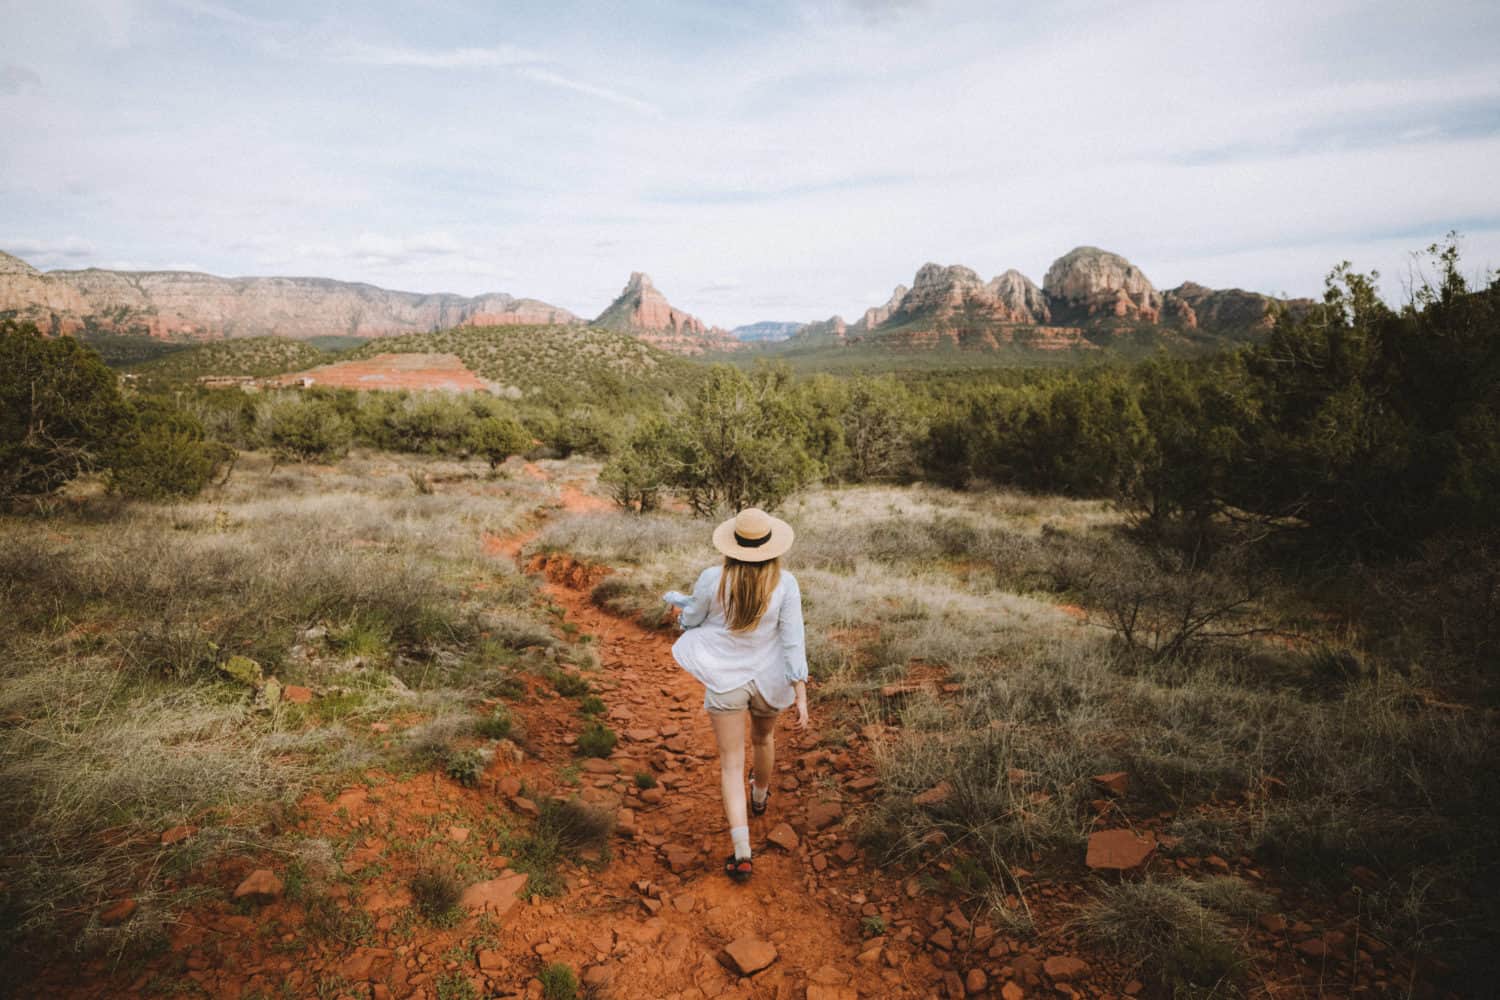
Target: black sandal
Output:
{"points": [[758, 810], [739, 869]]}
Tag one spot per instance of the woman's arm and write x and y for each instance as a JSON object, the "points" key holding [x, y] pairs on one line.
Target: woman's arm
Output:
{"points": [[695, 608], [794, 645]]}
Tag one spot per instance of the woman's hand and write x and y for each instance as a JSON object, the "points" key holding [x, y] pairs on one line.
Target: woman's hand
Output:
{"points": [[802, 707]]}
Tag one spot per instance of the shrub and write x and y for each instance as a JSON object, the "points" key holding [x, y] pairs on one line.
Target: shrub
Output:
{"points": [[496, 438], [574, 824], [164, 453], [435, 891], [645, 779], [497, 725], [558, 982], [591, 705], [464, 767], [60, 411], [1173, 936], [303, 428], [570, 685], [596, 740]]}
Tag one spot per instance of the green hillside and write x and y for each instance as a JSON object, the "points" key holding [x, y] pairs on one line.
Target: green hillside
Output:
{"points": [[557, 361], [258, 356]]}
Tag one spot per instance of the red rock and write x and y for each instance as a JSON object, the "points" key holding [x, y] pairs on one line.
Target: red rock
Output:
{"points": [[380, 727], [526, 806], [1313, 948], [1065, 968], [1133, 987], [846, 852], [598, 765], [956, 920], [783, 836], [1272, 923], [652, 796], [296, 694], [827, 975], [863, 784], [1116, 783], [1012, 991], [952, 985], [491, 960], [262, 885], [177, 834], [976, 982], [496, 895], [458, 834], [597, 977], [934, 796], [749, 955], [118, 913], [823, 814], [942, 938], [1118, 850], [820, 991], [789, 783], [510, 786]]}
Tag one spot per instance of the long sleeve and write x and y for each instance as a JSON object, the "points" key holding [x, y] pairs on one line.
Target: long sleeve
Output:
{"points": [[793, 635], [697, 608]]}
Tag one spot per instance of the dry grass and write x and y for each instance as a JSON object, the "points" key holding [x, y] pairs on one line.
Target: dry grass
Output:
{"points": [[114, 619]]}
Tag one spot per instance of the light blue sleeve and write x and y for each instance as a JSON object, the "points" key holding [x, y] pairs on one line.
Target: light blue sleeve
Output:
{"points": [[793, 635], [697, 607]]}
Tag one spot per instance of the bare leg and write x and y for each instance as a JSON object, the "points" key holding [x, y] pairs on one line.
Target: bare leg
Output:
{"points": [[729, 730], [763, 744]]}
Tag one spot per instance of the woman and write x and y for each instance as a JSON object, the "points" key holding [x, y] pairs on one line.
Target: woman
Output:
{"points": [[743, 640]]}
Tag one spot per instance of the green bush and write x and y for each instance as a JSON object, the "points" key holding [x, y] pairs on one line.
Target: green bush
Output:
{"points": [[597, 740], [164, 453], [464, 767], [558, 982], [435, 891], [60, 411], [497, 725], [303, 427]]}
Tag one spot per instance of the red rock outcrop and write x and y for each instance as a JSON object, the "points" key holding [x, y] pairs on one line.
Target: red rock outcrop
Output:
{"points": [[1089, 283], [876, 315], [1191, 306], [188, 305], [644, 311]]}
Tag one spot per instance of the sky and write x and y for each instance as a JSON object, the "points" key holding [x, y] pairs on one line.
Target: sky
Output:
{"points": [[760, 160]]}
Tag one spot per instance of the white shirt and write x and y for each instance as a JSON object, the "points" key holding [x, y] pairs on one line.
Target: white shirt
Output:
{"points": [[773, 654]]}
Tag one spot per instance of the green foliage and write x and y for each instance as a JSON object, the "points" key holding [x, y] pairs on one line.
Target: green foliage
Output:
{"points": [[464, 767], [163, 453], [597, 740], [496, 438], [639, 470], [497, 725], [591, 705], [645, 779], [435, 892], [881, 426], [303, 427], [60, 411], [242, 356], [558, 982]]}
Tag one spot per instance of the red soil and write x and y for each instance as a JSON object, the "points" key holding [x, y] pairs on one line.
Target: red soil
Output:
{"points": [[393, 371]]}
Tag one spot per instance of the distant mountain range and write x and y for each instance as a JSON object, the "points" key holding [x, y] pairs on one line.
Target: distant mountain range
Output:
{"points": [[1087, 297]]}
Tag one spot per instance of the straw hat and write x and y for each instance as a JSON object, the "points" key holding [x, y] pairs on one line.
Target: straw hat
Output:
{"points": [[752, 535]]}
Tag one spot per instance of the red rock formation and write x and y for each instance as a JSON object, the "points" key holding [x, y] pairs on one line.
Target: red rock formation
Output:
{"points": [[642, 310], [1089, 283], [1191, 306], [187, 305]]}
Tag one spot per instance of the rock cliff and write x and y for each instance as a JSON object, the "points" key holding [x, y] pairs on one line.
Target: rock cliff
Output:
{"points": [[188, 305], [642, 310], [1088, 283]]}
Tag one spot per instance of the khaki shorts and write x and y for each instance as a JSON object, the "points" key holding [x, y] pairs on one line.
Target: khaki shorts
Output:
{"points": [[746, 696]]}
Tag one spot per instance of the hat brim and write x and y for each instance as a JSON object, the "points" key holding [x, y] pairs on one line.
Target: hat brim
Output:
{"points": [[777, 545]]}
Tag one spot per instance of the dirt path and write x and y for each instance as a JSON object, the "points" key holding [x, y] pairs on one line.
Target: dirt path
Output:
{"points": [[663, 899]]}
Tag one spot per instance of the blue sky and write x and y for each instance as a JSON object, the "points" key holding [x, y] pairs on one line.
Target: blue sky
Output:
{"points": [[759, 160]]}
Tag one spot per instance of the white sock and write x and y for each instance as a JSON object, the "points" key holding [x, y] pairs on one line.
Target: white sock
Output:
{"points": [[741, 837], [757, 793]]}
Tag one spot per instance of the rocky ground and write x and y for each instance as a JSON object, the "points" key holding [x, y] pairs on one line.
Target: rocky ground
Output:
{"points": [[653, 916]]}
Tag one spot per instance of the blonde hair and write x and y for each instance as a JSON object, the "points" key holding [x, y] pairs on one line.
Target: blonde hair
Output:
{"points": [[745, 590]]}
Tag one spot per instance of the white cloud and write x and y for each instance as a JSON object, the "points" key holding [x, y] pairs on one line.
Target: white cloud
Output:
{"points": [[15, 79]]}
